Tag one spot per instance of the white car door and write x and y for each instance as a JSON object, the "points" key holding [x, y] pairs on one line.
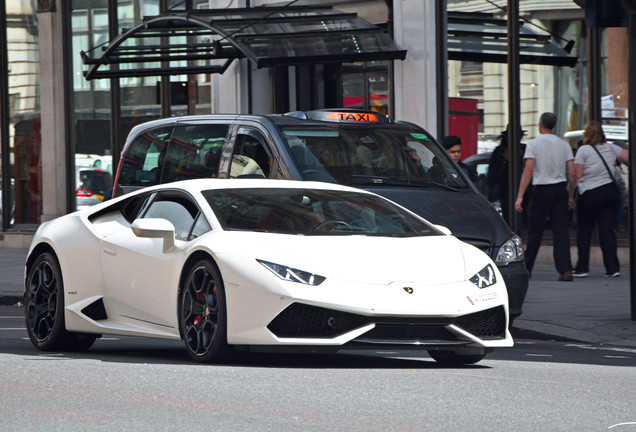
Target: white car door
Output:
{"points": [[140, 278]]}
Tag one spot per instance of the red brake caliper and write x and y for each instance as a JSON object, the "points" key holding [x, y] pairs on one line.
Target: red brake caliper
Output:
{"points": [[198, 317]]}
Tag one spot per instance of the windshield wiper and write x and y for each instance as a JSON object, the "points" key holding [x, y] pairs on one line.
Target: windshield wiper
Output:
{"points": [[402, 181]]}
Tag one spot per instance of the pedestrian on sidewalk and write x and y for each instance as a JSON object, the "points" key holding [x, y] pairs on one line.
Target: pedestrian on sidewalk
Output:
{"points": [[599, 198], [549, 166]]}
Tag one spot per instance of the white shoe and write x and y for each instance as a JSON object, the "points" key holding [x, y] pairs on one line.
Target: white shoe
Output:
{"points": [[580, 274], [612, 275]]}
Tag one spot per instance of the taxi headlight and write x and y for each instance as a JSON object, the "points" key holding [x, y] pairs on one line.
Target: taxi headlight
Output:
{"points": [[293, 275], [510, 251], [484, 277]]}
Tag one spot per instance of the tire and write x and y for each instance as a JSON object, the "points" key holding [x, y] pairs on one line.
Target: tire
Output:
{"points": [[44, 309], [451, 358], [203, 314]]}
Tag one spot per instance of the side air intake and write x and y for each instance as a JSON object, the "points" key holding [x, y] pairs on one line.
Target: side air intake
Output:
{"points": [[96, 310]]}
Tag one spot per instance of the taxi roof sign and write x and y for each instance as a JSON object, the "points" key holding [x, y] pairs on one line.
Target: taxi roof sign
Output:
{"points": [[341, 116]]}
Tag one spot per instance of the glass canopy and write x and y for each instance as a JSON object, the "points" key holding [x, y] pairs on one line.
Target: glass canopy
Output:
{"points": [[481, 37], [207, 41]]}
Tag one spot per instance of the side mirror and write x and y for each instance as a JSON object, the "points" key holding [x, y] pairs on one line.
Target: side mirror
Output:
{"points": [[155, 228], [443, 229]]}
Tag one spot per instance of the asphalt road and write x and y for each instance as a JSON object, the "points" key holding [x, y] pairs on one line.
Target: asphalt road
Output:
{"points": [[151, 385]]}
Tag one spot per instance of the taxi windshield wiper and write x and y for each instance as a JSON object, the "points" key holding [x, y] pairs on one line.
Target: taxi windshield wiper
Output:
{"points": [[397, 180]]}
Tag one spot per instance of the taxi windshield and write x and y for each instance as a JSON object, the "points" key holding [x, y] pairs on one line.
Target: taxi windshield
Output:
{"points": [[381, 155]]}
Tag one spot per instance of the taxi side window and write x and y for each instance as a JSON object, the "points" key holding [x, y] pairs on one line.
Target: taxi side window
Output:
{"points": [[251, 157], [194, 152], [141, 164]]}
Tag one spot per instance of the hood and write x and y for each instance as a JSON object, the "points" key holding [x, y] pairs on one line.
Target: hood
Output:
{"points": [[467, 214], [367, 259]]}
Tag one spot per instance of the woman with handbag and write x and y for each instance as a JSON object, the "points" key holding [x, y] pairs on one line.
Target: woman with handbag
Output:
{"points": [[599, 198]]}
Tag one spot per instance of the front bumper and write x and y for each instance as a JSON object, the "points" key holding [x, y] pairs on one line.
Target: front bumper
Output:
{"points": [[515, 276]]}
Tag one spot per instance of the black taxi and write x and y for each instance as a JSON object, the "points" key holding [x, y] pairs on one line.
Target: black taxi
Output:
{"points": [[364, 149]]}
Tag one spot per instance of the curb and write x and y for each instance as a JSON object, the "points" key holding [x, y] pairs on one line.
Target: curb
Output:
{"points": [[10, 300], [560, 333], [544, 331]]}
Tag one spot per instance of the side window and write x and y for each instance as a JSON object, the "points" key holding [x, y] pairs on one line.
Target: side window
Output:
{"points": [[201, 226], [178, 210], [251, 157], [194, 152], [135, 206], [141, 163]]}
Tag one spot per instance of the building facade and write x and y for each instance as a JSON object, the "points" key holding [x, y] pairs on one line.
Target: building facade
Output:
{"points": [[53, 121]]}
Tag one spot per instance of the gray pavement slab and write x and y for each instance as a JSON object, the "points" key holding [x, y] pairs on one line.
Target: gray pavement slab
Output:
{"points": [[595, 309], [11, 275]]}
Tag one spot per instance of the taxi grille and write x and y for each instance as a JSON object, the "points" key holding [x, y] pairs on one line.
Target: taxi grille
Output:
{"points": [[482, 245]]}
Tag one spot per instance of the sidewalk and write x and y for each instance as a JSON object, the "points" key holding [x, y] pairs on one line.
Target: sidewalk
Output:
{"points": [[594, 309]]}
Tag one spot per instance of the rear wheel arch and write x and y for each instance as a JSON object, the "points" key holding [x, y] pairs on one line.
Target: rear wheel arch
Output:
{"points": [[44, 305], [35, 253]]}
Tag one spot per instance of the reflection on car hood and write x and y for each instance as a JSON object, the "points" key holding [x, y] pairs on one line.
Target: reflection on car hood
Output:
{"points": [[367, 259], [468, 215]]}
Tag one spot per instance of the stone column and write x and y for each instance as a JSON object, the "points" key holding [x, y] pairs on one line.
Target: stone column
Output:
{"points": [[415, 79], [54, 157]]}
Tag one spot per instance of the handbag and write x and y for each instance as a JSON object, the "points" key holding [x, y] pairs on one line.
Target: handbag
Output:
{"points": [[609, 171], [620, 177]]}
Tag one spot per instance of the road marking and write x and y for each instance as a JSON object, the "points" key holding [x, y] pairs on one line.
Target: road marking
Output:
{"points": [[539, 355], [13, 328], [622, 424], [603, 348]]}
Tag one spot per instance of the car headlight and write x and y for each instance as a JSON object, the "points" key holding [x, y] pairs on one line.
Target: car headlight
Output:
{"points": [[292, 274], [484, 277], [510, 251]]}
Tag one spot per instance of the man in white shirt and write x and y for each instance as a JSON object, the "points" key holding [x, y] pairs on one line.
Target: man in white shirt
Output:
{"points": [[549, 165]]}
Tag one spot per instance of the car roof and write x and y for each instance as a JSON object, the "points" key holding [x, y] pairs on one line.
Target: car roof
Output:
{"points": [[348, 117], [197, 185], [479, 157]]}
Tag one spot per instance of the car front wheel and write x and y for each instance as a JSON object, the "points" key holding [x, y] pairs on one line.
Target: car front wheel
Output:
{"points": [[44, 308], [203, 314]]}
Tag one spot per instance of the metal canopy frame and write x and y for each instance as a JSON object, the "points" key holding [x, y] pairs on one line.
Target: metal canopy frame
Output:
{"points": [[207, 41], [481, 37]]}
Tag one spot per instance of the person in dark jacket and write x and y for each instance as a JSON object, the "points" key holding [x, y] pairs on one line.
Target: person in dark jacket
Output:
{"points": [[453, 145]]}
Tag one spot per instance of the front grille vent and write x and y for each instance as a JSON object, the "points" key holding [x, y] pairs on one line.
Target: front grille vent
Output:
{"points": [[384, 332], [304, 321], [487, 324]]}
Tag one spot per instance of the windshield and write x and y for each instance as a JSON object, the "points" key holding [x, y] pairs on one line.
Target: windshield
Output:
{"points": [[377, 155], [312, 212]]}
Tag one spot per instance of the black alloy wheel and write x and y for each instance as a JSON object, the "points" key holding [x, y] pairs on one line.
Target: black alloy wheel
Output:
{"points": [[44, 308], [203, 314]]}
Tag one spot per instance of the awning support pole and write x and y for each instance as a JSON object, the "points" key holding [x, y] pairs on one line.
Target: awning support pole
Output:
{"points": [[514, 114]]}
